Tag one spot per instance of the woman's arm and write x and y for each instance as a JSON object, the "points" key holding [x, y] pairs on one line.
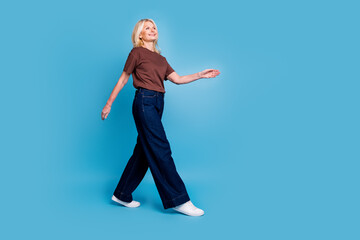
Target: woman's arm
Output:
{"points": [[119, 85], [207, 73]]}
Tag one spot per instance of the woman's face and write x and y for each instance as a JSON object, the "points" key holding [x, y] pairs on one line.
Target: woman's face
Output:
{"points": [[149, 32]]}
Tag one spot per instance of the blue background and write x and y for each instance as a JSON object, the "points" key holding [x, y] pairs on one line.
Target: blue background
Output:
{"points": [[269, 148]]}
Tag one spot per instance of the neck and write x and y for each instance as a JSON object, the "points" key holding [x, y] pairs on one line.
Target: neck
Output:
{"points": [[149, 45]]}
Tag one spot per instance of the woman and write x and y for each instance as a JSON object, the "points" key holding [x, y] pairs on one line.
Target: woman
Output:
{"points": [[152, 149]]}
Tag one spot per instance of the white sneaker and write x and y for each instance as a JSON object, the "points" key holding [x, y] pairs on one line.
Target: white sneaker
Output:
{"points": [[131, 204], [188, 208]]}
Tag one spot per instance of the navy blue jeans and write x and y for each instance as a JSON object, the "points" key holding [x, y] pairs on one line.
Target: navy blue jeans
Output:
{"points": [[152, 150]]}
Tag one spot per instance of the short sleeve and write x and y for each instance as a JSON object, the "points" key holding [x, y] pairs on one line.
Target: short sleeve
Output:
{"points": [[169, 70], [131, 62]]}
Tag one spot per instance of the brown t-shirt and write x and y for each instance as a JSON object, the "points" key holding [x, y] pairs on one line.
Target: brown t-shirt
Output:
{"points": [[149, 69]]}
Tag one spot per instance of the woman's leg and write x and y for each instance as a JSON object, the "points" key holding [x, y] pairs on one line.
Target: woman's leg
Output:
{"points": [[134, 172], [147, 113]]}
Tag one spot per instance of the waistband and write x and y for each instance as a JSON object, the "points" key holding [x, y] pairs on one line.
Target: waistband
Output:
{"points": [[140, 89]]}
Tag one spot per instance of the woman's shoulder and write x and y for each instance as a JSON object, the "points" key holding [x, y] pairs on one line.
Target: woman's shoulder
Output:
{"points": [[145, 51], [134, 49], [137, 51]]}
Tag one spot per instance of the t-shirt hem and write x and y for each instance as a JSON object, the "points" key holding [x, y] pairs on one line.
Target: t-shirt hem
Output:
{"points": [[127, 71], [158, 90]]}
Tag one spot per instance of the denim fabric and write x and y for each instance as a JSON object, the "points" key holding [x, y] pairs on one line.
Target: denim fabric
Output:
{"points": [[152, 150]]}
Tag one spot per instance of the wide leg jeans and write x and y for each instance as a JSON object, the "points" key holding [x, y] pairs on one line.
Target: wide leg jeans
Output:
{"points": [[152, 150]]}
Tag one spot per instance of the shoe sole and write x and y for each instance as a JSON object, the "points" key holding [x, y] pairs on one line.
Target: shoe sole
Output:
{"points": [[187, 214], [123, 203]]}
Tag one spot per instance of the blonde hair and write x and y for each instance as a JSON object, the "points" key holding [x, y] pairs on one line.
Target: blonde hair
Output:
{"points": [[136, 33]]}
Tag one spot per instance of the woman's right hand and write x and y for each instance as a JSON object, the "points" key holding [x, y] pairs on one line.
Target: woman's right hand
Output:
{"points": [[105, 112]]}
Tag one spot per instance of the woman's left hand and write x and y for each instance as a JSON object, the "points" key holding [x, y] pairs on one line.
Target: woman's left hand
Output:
{"points": [[209, 73]]}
